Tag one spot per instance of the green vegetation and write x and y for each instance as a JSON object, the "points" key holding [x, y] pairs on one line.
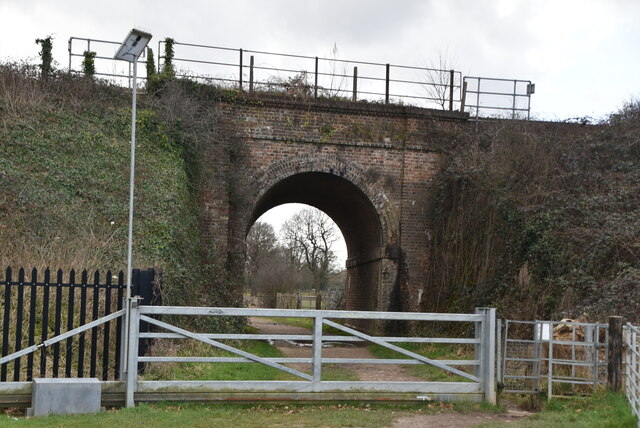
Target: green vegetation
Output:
{"points": [[173, 415], [430, 350], [150, 64], [168, 69], [603, 410], [88, 63], [228, 371], [218, 371], [46, 57], [308, 324], [540, 220], [64, 179]]}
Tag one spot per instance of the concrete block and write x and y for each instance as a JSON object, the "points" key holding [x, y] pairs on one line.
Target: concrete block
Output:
{"points": [[65, 396]]}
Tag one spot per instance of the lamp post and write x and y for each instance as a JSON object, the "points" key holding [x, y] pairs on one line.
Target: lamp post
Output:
{"points": [[130, 51]]}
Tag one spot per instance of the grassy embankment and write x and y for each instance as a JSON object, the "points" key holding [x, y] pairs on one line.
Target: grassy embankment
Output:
{"points": [[64, 180]]}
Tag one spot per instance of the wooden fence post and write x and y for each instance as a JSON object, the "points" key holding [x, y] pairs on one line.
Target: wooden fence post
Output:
{"points": [[614, 365]]}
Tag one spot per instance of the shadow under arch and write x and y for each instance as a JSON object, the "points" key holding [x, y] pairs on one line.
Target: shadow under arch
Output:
{"points": [[363, 227]]}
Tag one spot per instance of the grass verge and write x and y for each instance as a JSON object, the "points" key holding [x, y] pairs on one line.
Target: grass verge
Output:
{"points": [[601, 410], [173, 415], [229, 371], [430, 350]]}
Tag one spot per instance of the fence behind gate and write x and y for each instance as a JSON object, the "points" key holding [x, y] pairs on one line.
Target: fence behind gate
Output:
{"points": [[565, 357], [632, 369], [40, 308]]}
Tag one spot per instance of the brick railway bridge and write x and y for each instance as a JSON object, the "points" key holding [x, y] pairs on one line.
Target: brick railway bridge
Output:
{"points": [[370, 167]]}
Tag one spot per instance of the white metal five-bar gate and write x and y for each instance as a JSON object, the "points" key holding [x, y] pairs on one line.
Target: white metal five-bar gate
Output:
{"points": [[473, 379]]}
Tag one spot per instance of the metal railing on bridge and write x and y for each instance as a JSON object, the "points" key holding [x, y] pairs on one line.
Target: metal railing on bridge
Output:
{"points": [[314, 76], [254, 70]]}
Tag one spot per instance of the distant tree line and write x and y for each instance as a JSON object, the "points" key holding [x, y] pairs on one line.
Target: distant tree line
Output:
{"points": [[301, 257]]}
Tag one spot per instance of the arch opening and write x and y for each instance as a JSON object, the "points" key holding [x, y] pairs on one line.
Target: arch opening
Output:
{"points": [[355, 216]]}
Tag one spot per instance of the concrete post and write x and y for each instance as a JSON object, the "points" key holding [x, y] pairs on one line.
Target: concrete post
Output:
{"points": [[132, 357]]}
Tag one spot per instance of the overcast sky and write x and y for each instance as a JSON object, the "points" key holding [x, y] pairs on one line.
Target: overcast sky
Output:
{"points": [[583, 55]]}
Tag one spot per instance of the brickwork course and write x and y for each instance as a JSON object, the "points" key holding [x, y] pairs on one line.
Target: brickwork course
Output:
{"points": [[371, 167]]}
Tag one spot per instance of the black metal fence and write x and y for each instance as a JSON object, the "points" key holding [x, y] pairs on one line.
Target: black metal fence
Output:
{"points": [[37, 307]]}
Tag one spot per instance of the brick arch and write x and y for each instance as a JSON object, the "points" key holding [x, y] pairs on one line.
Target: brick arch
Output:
{"points": [[267, 177], [358, 204]]}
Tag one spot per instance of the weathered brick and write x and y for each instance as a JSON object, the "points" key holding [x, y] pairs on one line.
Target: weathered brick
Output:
{"points": [[370, 167]]}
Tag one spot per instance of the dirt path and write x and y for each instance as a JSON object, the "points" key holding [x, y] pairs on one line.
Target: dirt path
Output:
{"points": [[377, 372], [458, 420], [365, 372]]}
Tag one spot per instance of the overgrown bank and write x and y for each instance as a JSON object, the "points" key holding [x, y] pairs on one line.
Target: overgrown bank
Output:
{"points": [[541, 220], [64, 180]]}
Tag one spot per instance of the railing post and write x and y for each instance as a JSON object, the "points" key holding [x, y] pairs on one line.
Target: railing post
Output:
{"points": [[463, 97], [317, 353], [614, 365], [251, 74], [513, 108], [478, 99], [355, 84], [486, 352], [240, 77], [69, 49], [315, 85], [386, 85], [451, 83], [132, 349]]}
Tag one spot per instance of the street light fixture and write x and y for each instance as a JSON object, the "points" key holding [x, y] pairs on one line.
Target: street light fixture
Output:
{"points": [[130, 51]]}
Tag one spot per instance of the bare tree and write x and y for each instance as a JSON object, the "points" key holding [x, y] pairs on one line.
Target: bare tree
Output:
{"points": [[261, 243], [308, 238], [437, 79], [276, 275], [269, 269]]}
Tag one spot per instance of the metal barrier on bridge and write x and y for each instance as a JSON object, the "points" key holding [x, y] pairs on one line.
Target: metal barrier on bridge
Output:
{"points": [[313, 76]]}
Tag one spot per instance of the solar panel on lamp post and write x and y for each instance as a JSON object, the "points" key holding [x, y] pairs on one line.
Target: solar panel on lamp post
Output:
{"points": [[130, 50]]}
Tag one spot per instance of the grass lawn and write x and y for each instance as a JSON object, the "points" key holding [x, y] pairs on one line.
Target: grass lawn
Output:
{"points": [[430, 350], [173, 415], [602, 410], [306, 323], [230, 371]]}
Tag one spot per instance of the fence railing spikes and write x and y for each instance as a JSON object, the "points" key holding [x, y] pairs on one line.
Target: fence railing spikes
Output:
{"points": [[29, 315]]}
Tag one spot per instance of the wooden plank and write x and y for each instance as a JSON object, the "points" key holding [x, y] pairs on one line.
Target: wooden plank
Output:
{"points": [[615, 347]]}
